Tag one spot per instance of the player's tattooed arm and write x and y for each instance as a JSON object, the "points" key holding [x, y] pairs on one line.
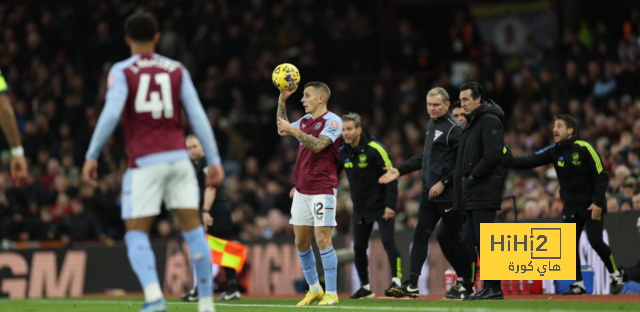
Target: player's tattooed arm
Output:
{"points": [[315, 144], [282, 111]]}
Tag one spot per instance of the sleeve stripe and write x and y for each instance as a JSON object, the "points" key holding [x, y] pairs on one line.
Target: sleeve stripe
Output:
{"points": [[593, 153], [383, 153]]}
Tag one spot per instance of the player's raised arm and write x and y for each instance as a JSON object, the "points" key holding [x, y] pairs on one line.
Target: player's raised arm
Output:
{"points": [[282, 108], [115, 100]]}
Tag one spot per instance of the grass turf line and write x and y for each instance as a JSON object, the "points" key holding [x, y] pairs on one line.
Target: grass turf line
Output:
{"points": [[282, 305]]}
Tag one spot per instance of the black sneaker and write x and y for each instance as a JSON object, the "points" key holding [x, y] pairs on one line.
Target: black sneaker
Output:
{"points": [[388, 292], [458, 291], [230, 295], [363, 294], [616, 284], [405, 290], [488, 293], [575, 290], [192, 296]]}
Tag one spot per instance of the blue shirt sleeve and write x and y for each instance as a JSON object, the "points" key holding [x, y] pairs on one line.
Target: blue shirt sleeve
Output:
{"points": [[115, 100], [198, 119], [332, 127], [297, 123]]}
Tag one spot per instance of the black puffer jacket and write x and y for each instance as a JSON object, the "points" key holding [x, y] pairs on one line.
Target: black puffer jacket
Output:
{"points": [[478, 179]]}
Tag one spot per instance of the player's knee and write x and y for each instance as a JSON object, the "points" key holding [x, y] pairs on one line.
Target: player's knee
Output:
{"points": [[323, 240], [303, 244]]}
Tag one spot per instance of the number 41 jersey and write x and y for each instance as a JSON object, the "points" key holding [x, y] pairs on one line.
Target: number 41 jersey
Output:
{"points": [[153, 85]]}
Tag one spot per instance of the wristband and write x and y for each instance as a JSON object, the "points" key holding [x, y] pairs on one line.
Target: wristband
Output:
{"points": [[17, 151]]}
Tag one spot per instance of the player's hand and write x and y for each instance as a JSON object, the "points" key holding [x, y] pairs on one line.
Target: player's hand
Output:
{"points": [[389, 213], [90, 172], [207, 219], [215, 176], [285, 128], [284, 95], [293, 190], [19, 168], [391, 175], [595, 211], [436, 190]]}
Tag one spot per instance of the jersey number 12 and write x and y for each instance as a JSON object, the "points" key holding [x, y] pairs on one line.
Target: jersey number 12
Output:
{"points": [[155, 105]]}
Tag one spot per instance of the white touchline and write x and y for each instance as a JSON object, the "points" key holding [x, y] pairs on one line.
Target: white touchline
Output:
{"points": [[339, 307]]}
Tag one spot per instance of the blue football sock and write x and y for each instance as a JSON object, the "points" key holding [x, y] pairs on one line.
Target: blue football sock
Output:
{"points": [[143, 263], [308, 263], [330, 264], [201, 259]]}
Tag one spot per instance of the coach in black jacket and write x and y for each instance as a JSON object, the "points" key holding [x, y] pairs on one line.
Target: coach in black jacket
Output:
{"points": [[363, 159], [478, 179], [437, 163], [583, 183]]}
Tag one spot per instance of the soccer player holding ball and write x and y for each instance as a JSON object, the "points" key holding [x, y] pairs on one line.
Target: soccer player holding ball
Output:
{"points": [[315, 179]]}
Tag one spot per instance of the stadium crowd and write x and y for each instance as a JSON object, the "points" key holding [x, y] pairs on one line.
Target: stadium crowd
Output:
{"points": [[56, 58]]}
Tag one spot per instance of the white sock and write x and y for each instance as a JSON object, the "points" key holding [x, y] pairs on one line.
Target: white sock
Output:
{"points": [[396, 281], [367, 287], [206, 304], [152, 292], [579, 283], [315, 287], [333, 293]]}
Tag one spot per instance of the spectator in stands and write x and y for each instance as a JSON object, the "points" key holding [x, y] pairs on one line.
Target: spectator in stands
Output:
{"points": [[80, 225], [46, 228], [636, 201]]}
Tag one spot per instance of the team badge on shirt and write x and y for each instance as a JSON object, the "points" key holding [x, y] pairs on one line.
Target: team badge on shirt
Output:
{"points": [[318, 125]]}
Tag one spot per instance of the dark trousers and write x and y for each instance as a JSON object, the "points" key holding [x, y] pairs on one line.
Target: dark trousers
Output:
{"points": [[361, 234], [428, 216], [222, 228], [582, 218], [474, 218], [450, 253]]}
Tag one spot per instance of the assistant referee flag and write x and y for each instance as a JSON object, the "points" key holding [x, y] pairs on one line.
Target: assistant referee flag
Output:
{"points": [[227, 254]]}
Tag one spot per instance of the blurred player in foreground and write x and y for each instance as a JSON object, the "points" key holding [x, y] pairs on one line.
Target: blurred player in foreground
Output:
{"points": [[216, 217], [315, 186], [363, 159], [12, 134], [148, 90]]}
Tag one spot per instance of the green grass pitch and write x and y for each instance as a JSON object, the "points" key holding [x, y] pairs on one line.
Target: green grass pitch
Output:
{"points": [[283, 305]]}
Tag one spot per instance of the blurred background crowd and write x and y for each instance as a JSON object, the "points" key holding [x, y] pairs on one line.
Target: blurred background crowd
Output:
{"points": [[379, 57]]}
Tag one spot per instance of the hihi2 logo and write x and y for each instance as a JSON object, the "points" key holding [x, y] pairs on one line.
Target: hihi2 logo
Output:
{"points": [[527, 251]]}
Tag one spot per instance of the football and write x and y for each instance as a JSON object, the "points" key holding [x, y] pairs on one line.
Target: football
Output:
{"points": [[285, 77]]}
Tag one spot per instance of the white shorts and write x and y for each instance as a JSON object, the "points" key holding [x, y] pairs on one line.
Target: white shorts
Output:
{"points": [[144, 189], [313, 210]]}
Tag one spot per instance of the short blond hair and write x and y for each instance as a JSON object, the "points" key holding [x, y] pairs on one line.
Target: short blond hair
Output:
{"points": [[320, 86], [439, 91]]}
